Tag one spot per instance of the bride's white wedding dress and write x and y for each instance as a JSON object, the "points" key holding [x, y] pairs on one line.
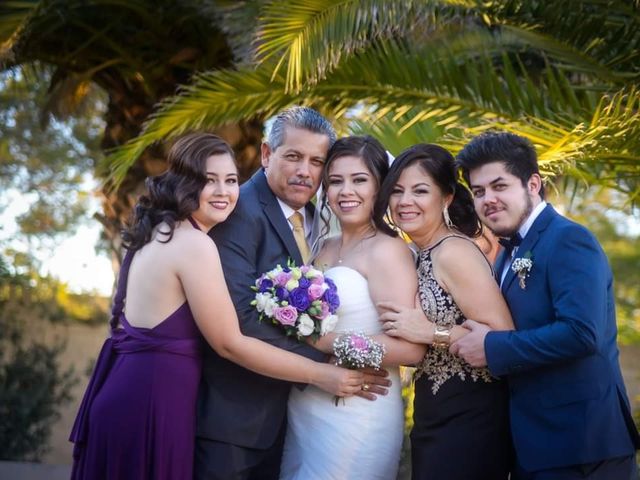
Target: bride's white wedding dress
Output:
{"points": [[358, 438]]}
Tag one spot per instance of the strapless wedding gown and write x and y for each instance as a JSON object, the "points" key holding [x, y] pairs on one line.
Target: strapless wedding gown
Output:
{"points": [[358, 438]]}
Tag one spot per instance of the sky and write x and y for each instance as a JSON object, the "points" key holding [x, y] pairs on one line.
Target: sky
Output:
{"points": [[74, 260]]}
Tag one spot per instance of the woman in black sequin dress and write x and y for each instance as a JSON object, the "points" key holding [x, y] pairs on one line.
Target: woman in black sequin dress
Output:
{"points": [[461, 426]]}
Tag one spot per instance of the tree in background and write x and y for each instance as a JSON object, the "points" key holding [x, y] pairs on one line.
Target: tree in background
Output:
{"points": [[563, 74], [136, 52], [33, 384], [604, 213], [45, 161]]}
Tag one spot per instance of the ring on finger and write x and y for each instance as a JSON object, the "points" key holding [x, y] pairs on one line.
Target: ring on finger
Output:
{"points": [[365, 387]]}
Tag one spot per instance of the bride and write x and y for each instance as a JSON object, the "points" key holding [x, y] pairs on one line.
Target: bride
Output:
{"points": [[357, 438]]}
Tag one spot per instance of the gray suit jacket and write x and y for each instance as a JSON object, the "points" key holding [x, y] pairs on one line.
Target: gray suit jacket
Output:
{"points": [[236, 405]]}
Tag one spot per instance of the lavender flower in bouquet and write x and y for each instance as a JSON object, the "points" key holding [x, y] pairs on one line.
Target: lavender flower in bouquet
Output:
{"points": [[299, 299], [357, 350]]}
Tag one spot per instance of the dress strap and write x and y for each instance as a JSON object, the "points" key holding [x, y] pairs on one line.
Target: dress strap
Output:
{"points": [[193, 223], [439, 242], [451, 235], [121, 290]]}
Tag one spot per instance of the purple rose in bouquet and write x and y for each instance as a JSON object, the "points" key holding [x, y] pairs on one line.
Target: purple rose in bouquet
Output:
{"points": [[299, 298]]}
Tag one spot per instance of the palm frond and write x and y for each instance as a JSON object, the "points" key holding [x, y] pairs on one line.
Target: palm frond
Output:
{"points": [[387, 130], [236, 18], [310, 37], [400, 77], [413, 83], [14, 15], [607, 31], [603, 150], [214, 99], [560, 54], [589, 37]]}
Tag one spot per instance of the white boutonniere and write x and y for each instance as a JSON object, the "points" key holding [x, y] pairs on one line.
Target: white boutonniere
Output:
{"points": [[522, 267]]}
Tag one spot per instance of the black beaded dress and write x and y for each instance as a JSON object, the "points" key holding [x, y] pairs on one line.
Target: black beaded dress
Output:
{"points": [[461, 423]]}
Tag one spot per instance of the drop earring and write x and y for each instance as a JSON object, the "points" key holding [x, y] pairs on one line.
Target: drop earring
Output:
{"points": [[447, 218]]}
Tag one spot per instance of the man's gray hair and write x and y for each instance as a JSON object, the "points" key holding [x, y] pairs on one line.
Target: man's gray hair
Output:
{"points": [[298, 117]]}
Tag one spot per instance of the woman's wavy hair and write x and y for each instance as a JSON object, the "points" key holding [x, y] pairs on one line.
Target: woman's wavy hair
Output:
{"points": [[175, 194], [375, 159], [440, 165]]}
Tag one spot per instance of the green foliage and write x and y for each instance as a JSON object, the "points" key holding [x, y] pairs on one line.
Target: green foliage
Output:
{"points": [[13, 14], [616, 226], [393, 138], [32, 388], [33, 385], [46, 160], [309, 37], [564, 74]]}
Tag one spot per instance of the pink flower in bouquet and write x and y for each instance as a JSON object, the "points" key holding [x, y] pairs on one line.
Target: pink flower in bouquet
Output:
{"points": [[286, 315], [359, 342], [324, 311], [282, 278], [319, 280], [316, 291]]}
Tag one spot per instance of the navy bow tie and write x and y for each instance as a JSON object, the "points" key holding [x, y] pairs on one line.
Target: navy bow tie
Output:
{"points": [[510, 243]]}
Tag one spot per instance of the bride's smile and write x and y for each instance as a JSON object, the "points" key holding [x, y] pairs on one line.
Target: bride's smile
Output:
{"points": [[351, 190]]}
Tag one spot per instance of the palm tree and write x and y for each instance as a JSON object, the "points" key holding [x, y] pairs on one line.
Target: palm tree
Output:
{"points": [[564, 74], [137, 52]]}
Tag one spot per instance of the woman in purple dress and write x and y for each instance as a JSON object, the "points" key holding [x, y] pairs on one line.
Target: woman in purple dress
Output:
{"points": [[137, 418]]}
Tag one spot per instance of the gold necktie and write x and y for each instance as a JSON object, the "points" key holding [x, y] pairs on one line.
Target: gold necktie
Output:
{"points": [[298, 233]]}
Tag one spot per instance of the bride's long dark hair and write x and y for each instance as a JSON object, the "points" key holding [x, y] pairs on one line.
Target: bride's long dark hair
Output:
{"points": [[375, 159], [175, 194]]}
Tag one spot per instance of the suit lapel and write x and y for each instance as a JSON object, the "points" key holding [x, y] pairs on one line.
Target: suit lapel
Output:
{"points": [[530, 240], [274, 214], [315, 227]]}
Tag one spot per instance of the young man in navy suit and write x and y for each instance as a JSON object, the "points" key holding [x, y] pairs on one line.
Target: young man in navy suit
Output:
{"points": [[570, 416], [242, 415]]}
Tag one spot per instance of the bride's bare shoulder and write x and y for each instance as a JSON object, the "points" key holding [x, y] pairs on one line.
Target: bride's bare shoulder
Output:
{"points": [[327, 249], [385, 245]]}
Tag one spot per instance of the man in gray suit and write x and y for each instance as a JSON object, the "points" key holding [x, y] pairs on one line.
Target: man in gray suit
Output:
{"points": [[242, 415]]}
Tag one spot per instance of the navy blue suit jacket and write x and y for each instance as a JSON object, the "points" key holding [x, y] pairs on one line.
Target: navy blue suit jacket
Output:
{"points": [[236, 405], [568, 401]]}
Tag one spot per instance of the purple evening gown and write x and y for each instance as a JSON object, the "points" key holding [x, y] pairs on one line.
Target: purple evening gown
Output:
{"points": [[137, 418]]}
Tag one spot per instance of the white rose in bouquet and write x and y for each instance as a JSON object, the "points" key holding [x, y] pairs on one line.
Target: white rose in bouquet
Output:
{"points": [[328, 324], [305, 325]]}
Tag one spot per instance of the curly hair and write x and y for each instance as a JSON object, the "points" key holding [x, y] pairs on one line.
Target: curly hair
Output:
{"points": [[175, 194]]}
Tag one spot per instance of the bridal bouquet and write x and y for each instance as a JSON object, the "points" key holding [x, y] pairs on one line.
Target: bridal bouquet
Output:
{"points": [[300, 299]]}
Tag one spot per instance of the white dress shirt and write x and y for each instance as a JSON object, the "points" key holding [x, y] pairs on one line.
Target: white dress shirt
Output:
{"points": [[523, 230]]}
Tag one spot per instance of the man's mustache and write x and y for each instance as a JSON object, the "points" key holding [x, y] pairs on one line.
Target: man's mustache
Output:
{"points": [[302, 183]]}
